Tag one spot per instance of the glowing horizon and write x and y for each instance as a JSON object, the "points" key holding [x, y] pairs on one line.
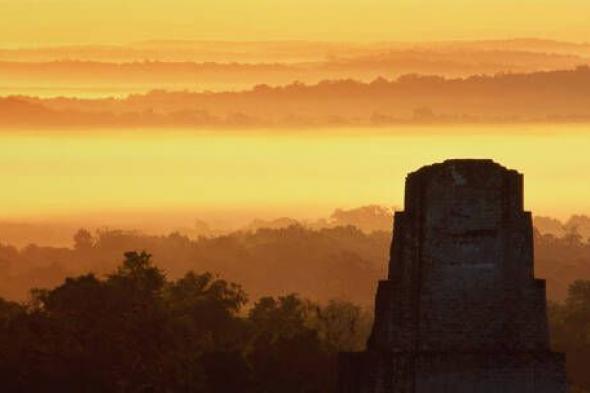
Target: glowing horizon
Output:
{"points": [[79, 174], [58, 22]]}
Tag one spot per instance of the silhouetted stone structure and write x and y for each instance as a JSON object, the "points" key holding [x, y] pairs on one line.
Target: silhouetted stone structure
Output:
{"points": [[461, 310]]}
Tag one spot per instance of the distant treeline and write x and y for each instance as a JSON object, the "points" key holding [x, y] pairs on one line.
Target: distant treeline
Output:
{"points": [[368, 218], [320, 260], [340, 262], [150, 71], [294, 51], [552, 96], [137, 330], [201, 64]]}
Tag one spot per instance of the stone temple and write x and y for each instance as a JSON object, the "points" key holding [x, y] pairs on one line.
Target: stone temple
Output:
{"points": [[461, 310]]}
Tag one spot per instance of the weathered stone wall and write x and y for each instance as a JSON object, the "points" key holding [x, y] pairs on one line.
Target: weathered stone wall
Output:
{"points": [[489, 373], [461, 310], [475, 260]]}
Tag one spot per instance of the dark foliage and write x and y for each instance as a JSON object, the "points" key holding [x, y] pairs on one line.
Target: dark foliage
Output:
{"points": [[137, 331], [570, 328]]}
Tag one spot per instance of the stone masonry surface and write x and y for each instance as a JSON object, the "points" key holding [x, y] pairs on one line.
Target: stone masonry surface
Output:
{"points": [[461, 310]]}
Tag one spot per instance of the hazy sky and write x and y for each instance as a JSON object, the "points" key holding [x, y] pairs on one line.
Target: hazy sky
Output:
{"points": [[40, 22], [301, 175]]}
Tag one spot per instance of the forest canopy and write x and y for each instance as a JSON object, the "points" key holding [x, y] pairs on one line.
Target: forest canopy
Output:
{"points": [[136, 329], [554, 96]]}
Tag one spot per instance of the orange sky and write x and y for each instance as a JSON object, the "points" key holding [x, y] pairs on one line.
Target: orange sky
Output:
{"points": [[43, 22], [130, 172]]}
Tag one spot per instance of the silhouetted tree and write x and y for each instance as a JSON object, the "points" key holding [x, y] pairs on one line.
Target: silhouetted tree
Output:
{"points": [[83, 240]]}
